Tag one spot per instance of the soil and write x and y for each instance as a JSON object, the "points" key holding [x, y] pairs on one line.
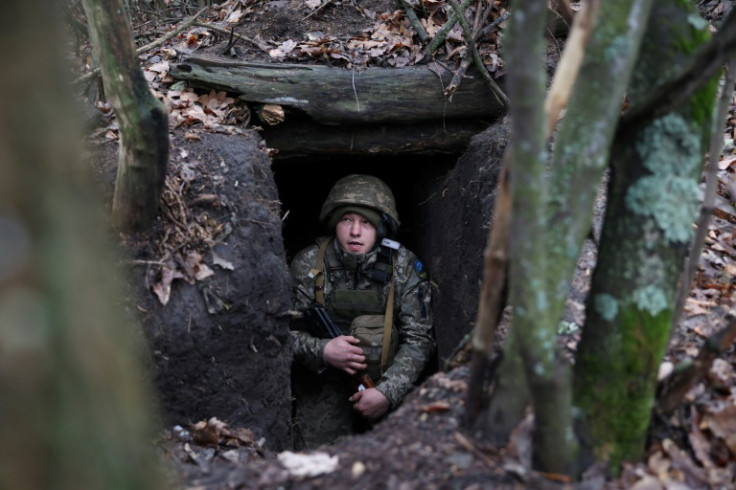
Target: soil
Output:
{"points": [[211, 287]]}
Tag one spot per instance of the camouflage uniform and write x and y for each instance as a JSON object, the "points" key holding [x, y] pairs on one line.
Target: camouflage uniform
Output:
{"points": [[322, 409]]}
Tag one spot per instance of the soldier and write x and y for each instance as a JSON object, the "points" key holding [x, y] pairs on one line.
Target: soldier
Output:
{"points": [[378, 294]]}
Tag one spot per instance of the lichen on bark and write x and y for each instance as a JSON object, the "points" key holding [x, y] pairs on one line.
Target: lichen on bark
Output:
{"points": [[652, 203]]}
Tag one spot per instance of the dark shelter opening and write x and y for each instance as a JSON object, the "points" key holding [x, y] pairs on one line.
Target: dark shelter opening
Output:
{"points": [[445, 204], [303, 185]]}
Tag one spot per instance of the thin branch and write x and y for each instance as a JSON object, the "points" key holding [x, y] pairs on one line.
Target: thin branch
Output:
{"points": [[569, 66], [468, 33], [487, 30], [709, 198], [324, 4], [414, 20], [457, 77], [222, 30], [490, 304], [158, 42], [464, 63], [441, 35]]}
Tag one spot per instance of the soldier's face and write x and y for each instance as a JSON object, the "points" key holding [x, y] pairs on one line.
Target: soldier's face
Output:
{"points": [[355, 234]]}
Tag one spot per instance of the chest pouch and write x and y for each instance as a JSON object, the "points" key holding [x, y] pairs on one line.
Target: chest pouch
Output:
{"points": [[350, 303], [370, 330]]}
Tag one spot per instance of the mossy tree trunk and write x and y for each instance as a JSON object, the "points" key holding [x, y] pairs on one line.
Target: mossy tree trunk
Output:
{"points": [[562, 213], [71, 387], [534, 327], [653, 202], [142, 119]]}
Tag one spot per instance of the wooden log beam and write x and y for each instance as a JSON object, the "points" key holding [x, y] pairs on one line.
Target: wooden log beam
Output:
{"points": [[301, 139], [330, 95]]}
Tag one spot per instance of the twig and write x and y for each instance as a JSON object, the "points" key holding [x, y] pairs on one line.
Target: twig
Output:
{"points": [[709, 198], [467, 32], [478, 13], [467, 444], [490, 304], [500, 19], [465, 62], [221, 30], [442, 33], [569, 66], [414, 20], [673, 388], [324, 4], [158, 42], [457, 77]]}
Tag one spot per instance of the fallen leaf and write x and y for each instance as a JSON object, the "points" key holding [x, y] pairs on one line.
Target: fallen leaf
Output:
{"points": [[665, 369], [726, 162], [160, 67], [162, 288], [648, 482], [207, 433], [238, 435], [308, 465], [219, 261], [235, 16], [439, 406], [698, 441], [723, 425], [199, 269], [694, 475]]}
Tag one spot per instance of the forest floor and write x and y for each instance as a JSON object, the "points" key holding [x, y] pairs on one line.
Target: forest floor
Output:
{"points": [[423, 443]]}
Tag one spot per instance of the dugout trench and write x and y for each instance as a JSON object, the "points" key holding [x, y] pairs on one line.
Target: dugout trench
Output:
{"points": [[445, 204]]}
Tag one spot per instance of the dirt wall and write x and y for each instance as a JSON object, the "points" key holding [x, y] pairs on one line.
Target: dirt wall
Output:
{"points": [[461, 213], [220, 344]]}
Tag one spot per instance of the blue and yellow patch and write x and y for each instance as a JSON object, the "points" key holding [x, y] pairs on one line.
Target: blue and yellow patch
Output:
{"points": [[419, 269]]}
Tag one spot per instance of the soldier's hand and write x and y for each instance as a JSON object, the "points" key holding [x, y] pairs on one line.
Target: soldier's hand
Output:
{"points": [[370, 403], [343, 353]]}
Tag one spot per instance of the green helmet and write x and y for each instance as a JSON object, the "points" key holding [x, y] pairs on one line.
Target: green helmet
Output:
{"points": [[360, 190]]}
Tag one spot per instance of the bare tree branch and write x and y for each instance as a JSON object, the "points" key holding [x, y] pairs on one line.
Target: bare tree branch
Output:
{"points": [[703, 66]]}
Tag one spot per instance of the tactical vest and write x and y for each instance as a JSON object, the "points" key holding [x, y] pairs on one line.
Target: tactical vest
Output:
{"points": [[363, 313]]}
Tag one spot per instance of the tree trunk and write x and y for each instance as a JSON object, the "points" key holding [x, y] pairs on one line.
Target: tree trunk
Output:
{"points": [[70, 385], [534, 327], [652, 204], [328, 95], [579, 158], [142, 119]]}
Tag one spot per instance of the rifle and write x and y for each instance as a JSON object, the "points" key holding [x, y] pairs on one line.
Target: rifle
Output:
{"points": [[326, 328]]}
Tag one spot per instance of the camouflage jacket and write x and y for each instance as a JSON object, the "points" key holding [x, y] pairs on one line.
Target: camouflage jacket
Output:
{"points": [[412, 310]]}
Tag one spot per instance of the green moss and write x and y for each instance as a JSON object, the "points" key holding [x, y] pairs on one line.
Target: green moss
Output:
{"points": [[619, 385], [702, 106]]}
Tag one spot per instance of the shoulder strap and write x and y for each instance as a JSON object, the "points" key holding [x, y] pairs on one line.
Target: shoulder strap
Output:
{"points": [[388, 320], [319, 272]]}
